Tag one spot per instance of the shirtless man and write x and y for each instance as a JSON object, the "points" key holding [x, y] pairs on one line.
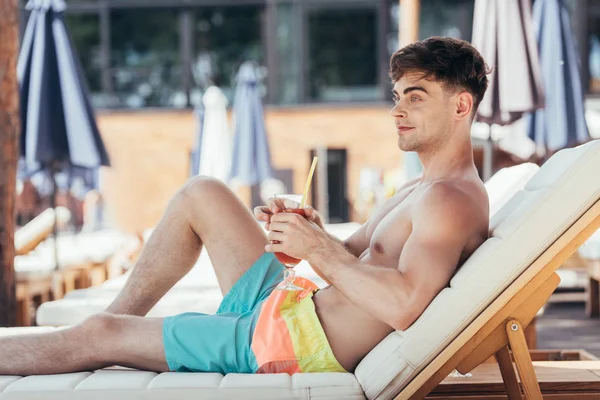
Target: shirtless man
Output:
{"points": [[382, 278]]}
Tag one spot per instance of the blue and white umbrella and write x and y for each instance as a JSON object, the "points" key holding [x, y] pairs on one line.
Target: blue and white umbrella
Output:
{"points": [[59, 130], [561, 123], [251, 161]]}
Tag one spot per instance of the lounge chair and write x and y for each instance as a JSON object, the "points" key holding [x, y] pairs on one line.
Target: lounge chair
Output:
{"points": [[38, 229], [83, 261], [481, 313]]}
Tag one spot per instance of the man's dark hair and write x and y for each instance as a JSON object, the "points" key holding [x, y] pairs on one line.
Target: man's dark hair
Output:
{"points": [[454, 62]]}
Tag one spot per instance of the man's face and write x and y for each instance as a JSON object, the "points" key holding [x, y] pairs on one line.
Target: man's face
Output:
{"points": [[422, 112]]}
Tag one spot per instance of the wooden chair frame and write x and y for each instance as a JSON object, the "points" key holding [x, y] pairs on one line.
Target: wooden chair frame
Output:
{"points": [[501, 325]]}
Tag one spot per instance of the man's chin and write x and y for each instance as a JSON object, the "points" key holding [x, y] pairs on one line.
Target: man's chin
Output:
{"points": [[406, 146]]}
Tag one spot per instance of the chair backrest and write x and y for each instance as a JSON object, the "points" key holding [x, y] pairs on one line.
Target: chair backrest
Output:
{"points": [[506, 182], [559, 193]]}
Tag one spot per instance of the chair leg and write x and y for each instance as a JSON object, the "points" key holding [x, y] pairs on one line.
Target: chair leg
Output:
{"points": [[508, 374], [24, 311], [592, 303], [57, 286], [516, 339], [531, 334]]}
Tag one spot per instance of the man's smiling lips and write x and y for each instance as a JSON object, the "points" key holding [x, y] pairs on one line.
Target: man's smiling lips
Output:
{"points": [[403, 128]]}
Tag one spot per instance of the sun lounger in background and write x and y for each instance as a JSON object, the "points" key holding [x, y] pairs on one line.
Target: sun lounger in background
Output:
{"points": [[82, 261], [38, 229]]}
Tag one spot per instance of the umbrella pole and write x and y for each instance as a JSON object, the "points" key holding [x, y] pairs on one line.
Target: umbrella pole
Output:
{"points": [[53, 206], [488, 156]]}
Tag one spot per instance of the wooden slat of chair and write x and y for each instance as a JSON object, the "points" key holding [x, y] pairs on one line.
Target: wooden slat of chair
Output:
{"points": [[519, 308], [27, 291], [592, 305], [475, 334], [492, 336], [97, 274], [572, 380], [508, 373], [516, 340]]}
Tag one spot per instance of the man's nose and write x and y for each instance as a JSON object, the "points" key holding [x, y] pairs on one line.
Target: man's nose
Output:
{"points": [[398, 111]]}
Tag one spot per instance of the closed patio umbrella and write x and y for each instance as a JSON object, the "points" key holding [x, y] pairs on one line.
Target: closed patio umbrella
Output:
{"points": [[561, 123], [503, 34], [251, 160], [59, 131], [215, 154]]}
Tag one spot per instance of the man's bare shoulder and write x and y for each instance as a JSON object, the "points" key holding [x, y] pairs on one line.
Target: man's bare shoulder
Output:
{"points": [[455, 205]]}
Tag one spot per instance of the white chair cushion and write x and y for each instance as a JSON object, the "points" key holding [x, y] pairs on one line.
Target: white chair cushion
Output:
{"points": [[506, 182], [122, 383], [534, 218], [131, 385]]}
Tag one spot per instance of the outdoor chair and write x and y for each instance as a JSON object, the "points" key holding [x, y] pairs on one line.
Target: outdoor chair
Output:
{"points": [[482, 313], [82, 259]]}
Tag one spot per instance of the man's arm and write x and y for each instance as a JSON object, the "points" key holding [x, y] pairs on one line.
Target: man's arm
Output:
{"points": [[442, 225]]}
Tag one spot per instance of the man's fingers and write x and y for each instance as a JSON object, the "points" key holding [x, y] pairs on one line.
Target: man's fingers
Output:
{"points": [[274, 235], [262, 213], [285, 217], [273, 247], [275, 204], [310, 213], [277, 226], [278, 204]]}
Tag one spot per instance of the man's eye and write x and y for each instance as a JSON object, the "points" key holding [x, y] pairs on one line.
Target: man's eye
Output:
{"points": [[396, 100], [414, 99]]}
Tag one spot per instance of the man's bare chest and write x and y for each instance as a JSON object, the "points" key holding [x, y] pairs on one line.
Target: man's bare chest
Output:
{"points": [[389, 230]]}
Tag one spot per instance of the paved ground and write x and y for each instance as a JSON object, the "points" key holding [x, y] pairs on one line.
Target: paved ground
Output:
{"points": [[565, 326]]}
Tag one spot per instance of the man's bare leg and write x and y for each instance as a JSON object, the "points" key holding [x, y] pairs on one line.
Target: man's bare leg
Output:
{"points": [[204, 211], [100, 341]]}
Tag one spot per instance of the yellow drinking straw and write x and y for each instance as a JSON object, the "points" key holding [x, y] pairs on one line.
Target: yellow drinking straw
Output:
{"points": [[308, 181]]}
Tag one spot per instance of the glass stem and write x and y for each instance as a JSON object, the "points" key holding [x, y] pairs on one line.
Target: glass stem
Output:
{"points": [[289, 275]]}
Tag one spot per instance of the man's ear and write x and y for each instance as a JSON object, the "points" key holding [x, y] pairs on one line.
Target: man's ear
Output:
{"points": [[464, 105]]}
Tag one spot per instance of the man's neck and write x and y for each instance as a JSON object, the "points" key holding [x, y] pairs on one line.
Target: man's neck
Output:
{"points": [[450, 160]]}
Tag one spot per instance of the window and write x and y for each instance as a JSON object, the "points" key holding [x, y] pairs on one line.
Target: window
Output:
{"points": [[223, 38], [453, 18], [342, 54], [145, 66], [289, 55], [85, 36]]}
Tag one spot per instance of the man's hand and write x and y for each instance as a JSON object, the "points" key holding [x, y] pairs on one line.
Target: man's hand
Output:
{"points": [[274, 205], [295, 236]]}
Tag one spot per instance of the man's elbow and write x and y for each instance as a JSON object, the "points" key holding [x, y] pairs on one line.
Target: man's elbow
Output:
{"points": [[404, 319]]}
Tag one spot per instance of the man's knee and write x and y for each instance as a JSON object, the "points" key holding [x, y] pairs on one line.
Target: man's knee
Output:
{"points": [[202, 191], [95, 336], [203, 187], [100, 327]]}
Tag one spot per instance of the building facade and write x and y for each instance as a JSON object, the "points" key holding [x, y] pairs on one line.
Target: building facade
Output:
{"points": [[325, 62]]}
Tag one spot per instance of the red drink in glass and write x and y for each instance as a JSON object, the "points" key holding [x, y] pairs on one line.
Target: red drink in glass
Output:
{"points": [[288, 261]]}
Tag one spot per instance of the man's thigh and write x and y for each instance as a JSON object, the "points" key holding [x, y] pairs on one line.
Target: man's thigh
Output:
{"points": [[232, 235]]}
